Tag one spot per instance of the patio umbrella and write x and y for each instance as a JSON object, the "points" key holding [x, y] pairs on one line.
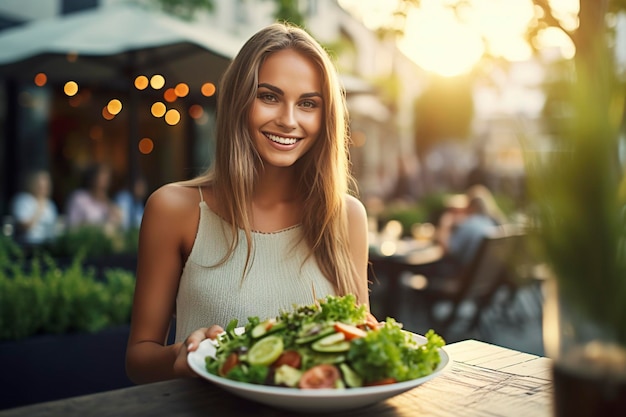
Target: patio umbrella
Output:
{"points": [[110, 46]]}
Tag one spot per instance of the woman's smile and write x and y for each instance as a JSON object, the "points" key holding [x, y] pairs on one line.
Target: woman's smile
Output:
{"points": [[282, 140]]}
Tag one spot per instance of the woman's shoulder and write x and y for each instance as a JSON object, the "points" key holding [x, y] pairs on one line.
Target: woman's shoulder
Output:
{"points": [[355, 207], [174, 198]]}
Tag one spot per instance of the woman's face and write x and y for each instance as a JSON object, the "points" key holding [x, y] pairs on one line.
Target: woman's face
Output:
{"points": [[286, 115]]}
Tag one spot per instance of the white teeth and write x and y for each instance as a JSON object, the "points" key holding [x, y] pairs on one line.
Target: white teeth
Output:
{"points": [[282, 141]]}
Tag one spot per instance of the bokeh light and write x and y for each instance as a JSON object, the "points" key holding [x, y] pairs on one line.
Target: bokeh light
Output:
{"points": [[70, 88], [141, 82], [158, 109], [208, 89], [196, 111], [106, 114], [146, 145], [170, 95], [157, 82], [181, 89], [114, 106], [172, 117], [41, 79]]}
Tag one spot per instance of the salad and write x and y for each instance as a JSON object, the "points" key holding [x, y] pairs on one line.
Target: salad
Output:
{"points": [[326, 345]]}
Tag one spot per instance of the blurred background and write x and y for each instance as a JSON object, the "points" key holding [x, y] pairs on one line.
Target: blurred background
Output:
{"points": [[442, 94]]}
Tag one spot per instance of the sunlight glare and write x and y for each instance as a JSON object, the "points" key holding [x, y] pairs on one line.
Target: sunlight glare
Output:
{"points": [[566, 11], [553, 38], [437, 42], [442, 42], [503, 24], [373, 13]]}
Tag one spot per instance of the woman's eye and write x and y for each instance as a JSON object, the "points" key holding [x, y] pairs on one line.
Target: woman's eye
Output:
{"points": [[267, 97], [309, 104]]}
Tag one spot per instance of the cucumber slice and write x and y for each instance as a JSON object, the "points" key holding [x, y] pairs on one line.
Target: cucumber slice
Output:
{"points": [[352, 379], [259, 330], [315, 336], [265, 351], [334, 348], [267, 327], [334, 342]]}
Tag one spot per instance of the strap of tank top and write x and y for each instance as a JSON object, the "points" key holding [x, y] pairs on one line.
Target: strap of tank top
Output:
{"points": [[200, 191]]}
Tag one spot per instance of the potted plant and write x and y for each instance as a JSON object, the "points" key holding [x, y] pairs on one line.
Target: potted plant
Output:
{"points": [[580, 230], [62, 331]]}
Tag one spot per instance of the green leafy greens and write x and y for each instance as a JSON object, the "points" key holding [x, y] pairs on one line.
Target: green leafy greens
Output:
{"points": [[385, 352]]}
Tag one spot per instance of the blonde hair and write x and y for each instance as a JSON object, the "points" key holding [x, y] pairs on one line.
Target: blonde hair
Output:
{"points": [[324, 178]]}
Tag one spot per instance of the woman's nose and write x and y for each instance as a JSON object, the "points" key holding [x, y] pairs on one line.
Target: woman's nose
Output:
{"points": [[287, 118]]}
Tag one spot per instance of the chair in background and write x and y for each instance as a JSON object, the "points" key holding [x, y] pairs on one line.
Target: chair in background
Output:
{"points": [[477, 283]]}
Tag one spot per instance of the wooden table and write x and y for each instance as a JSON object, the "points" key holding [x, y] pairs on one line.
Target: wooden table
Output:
{"points": [[483, 380]]}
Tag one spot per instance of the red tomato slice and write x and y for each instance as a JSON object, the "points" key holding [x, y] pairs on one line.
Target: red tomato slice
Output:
{"points": [[320, 376], [231, 361], [350, 332], [288, 357]]}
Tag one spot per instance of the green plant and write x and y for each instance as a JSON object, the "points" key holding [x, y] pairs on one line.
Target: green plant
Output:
{"points": [[581, 222], [92, 241], [407, 214], [40, 298]]}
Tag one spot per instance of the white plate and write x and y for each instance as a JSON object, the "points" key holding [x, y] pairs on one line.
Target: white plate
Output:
{"points": [[314, 400]]}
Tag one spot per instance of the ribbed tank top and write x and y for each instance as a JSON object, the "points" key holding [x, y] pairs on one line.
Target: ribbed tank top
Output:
{"points": [[278, 276]]}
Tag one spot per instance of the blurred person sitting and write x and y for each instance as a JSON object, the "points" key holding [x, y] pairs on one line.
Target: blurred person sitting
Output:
{"points": [[458, 209], [91, 205], [132, 202], [491, 207], [468, 235], [34, 211], [453, 214]]}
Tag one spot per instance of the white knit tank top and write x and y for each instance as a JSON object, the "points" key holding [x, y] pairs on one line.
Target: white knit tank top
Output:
{"points": [[278, 276]]}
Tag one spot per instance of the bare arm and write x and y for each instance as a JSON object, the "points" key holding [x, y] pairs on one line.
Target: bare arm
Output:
{"points": [[167, 232], [359, 245]]}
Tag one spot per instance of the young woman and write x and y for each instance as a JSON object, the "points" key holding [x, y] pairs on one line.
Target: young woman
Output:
{"points": [[270, 225]]}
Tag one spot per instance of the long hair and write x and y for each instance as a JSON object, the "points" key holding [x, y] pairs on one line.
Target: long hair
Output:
{"points": [[324, 176]]}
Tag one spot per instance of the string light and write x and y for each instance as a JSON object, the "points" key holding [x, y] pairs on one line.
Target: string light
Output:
{"points": [[114, 106], [70, 88], [208, 89], [41, 79], [141, 82], [172, 117]]}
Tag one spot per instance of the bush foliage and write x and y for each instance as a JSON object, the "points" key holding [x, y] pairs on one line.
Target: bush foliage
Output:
{"points": [[38, 297]]}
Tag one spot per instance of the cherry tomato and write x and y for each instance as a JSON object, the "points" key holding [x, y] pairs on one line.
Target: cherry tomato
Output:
{"points": [[320, 376], [350, 332], [384, 381], [288, 357], [231, 361]]}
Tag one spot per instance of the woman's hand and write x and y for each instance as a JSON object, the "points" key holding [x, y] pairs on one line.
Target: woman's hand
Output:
{"points": [[181, 367]]}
